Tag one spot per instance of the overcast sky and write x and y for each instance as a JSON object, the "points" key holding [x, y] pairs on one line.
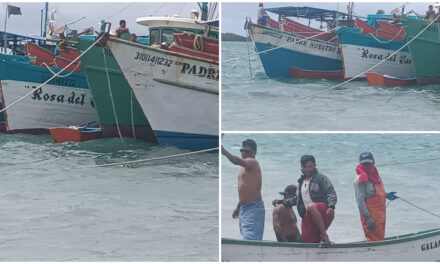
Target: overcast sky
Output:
{"points": [[29, 22], [234, 14]]}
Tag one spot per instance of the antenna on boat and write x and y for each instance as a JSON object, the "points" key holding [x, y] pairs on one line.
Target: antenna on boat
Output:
{"points": [[46, 8]]}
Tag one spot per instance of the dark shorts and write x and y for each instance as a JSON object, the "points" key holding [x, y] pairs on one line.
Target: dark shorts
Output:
{"points": [[292, 238]]}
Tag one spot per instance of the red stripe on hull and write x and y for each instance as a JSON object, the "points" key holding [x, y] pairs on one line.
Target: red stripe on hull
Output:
{"points": [[297, 73], [379, 79]]}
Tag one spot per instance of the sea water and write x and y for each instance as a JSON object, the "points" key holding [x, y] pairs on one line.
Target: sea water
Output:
{"points": [[337, 156], [259, 103], [56, 205]]}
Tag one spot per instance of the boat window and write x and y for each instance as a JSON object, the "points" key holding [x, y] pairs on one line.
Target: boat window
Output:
{"points": [[167, 35], [154, 36]]}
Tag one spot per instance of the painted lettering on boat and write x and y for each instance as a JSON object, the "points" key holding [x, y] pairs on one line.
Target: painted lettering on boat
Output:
{"points": [[73, 98], [59, 81], [402, 59], [300, 42], [200, 71], [154, 60], [430, 245]]}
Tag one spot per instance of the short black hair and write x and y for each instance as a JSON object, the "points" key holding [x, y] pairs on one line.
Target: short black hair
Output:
{"points": [[306, 158], [122, 21], [250, 143]]}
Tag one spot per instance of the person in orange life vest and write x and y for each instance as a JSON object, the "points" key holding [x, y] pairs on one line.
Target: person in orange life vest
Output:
{"points": [[371, 198]]}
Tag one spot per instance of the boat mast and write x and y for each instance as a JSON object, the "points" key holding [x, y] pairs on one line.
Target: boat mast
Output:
{"points": [[46, 8], [5, 37], [204, 8]]}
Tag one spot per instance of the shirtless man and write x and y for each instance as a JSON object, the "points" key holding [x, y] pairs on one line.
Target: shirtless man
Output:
{"points": [[284, 219], [250, 209]]}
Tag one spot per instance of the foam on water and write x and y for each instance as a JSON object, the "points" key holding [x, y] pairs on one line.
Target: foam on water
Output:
{"points": [[337, 156], [57, 207], [259, 103]]}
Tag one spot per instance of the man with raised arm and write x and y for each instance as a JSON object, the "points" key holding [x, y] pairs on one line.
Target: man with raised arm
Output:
{"points": [[250, 209]]}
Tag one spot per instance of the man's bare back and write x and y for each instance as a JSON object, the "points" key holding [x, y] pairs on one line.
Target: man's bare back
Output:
{"points": [[285, 223], [249, 182]]}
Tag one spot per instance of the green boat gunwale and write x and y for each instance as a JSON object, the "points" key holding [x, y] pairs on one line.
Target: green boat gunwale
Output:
{"points": [[387, 241], [115, 39]]}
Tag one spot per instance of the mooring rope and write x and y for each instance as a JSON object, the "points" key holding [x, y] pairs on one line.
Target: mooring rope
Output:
{"points": [[61, 76], [388, 41], [51, 78], [249, 58], [132, 114], [282, 46], [155, 158], [374, 66], [111, 94], [406, 162]]}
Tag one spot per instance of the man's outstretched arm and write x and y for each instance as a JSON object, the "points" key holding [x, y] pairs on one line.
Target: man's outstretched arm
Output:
{"points": [[246, 163]]}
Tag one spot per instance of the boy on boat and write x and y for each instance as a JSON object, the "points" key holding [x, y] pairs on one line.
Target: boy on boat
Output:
{"points": [[316, 202], [250, 208], [371, 198], [262, 15], [430, 14], [122, 31], [284, 218]]}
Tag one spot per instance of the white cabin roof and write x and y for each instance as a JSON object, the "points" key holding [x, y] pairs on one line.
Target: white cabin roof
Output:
{"points": [[175, 22]]}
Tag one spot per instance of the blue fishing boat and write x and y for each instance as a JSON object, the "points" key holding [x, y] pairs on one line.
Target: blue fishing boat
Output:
{"points": [[292, 45], [371, 41], [64, 101]]}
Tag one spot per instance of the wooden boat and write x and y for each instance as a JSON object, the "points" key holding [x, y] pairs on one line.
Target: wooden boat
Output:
{"points": [[292, 47], [75, 133], [186, 43], [305, 74], [46, 56], [420, 246], [177, 92], [425, 50], [390, 81]]}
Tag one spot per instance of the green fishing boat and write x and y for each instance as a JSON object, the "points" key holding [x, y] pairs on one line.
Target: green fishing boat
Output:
{"points": [[117, 106], [425, 49]]}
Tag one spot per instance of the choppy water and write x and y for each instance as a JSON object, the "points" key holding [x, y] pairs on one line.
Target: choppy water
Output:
{"points": [[56, 207], [337, 156], [259, 103]]}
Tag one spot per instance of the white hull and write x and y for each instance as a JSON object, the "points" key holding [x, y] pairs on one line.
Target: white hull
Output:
{"points": [[294, 42], [416, 247], [178, 93], [357, 59], [49, 106]]}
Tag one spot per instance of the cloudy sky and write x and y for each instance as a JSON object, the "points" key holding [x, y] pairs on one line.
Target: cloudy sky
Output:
{"points": [[234, 14], [29, 22]]}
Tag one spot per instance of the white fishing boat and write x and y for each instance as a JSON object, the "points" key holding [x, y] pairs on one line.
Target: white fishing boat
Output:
{"points": [[49, 106], [177, 92], [421, 246]]}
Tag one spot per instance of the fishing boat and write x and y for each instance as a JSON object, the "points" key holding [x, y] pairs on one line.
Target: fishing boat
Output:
{"points": [[390, 81], [289, 44], [47, 57], [420, 246], [425, 49], [64, 101], [178, 92], [366, 44], [118, 109], [75, 133]]}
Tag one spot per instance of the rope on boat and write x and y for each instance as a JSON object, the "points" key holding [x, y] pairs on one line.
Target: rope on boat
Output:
{"points": [[132, 115], [156, 158], [388, 41], [51, 78], [111, 95], [406, 162], [374, 66], [282, 46], [249, 58], [61, 76]]}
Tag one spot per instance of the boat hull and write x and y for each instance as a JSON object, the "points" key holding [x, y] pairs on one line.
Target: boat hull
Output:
{"points": [[297, 73], [425, 50], [310, 54], [131, 120], [384, 80], [423, 246], [49, 106], [178, 93], [67, 134], [361, 52]]}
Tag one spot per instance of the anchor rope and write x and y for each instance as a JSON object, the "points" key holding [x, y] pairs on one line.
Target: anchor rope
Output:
{"points": [[155, 158], [388, 41], [282, 46], [61, 76], [51, 78], [111, 95], [132, 116], [369, 69], [249, 58], [406, 162]]}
